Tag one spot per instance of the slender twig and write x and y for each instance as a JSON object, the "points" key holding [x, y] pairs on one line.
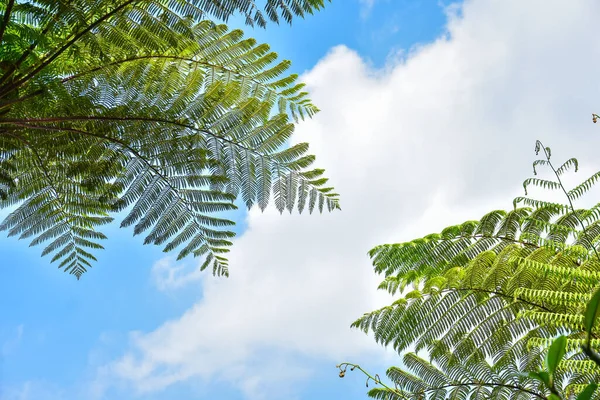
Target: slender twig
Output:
{"points": [[343, 367]]}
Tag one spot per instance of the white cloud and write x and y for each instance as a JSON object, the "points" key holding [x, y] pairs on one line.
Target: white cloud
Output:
{"points": [[169, 275], [438, 138]]}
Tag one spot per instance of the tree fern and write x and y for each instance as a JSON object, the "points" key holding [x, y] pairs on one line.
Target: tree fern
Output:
{"points": [[148, 108], [491, 295]]}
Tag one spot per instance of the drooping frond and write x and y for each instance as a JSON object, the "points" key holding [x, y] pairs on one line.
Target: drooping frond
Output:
{"points": [[449, 378], [145, 107]]}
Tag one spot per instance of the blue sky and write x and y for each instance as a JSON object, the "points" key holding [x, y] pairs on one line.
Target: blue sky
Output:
{"points": [[55, 331], [413, 143]]}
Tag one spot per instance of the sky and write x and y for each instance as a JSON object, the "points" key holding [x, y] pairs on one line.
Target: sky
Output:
{"points": [[430, 112]]}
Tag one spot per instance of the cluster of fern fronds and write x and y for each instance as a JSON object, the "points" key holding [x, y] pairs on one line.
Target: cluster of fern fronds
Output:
{"points": [[481, 302], [152, 109]]}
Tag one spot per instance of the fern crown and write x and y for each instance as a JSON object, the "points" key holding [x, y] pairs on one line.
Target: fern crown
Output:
{"points": [[150, 109]]}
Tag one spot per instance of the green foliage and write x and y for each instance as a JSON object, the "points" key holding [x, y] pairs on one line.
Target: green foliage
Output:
{"points": [[555, 354], [588, 392], [591, 313], [481, 304], [147, 108]]}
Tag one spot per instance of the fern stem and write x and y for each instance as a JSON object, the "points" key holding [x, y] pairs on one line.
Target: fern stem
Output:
{"points": [[6, 18], [21, 99], [504, 238], [480, 236], [143, 119], [492, 292], [343, 366], [130, 119], [562, 186], [587, 349], [155, 56], [51, 57], [26, 53], [121, 143], [484, 384], [500, 294]]}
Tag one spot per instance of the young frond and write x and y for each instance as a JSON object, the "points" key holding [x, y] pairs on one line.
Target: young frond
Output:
{"points": [[541, 183]]}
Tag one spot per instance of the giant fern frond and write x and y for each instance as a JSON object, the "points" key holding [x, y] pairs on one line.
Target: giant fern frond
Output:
{"points": [[148, 108], [490, 295]]}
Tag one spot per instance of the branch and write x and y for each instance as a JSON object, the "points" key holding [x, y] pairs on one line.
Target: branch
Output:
{"points": [[8, 103], [486, 384], [493, 292], [130, 119], [49, 58], [6, 18], [150, 57], [26, 53]]}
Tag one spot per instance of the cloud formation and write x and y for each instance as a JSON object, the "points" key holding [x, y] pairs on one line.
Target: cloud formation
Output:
{"points": [[437, 137], [168, 275]]}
